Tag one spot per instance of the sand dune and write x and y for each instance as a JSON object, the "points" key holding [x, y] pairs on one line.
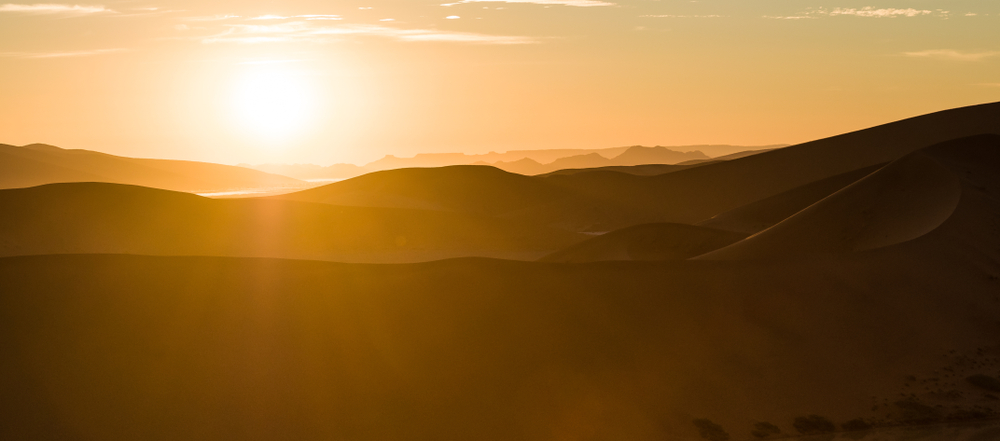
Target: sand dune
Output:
{"points": [[684, 196], [39, 164], [877, 303], [760, 215], [638, 170], [202, 348], [466, 188], [647, 242], [111, 218], [902, 201]]}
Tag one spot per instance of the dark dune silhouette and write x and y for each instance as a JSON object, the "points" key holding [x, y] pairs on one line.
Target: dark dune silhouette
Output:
{"points": [[200, 348], [663, 241], [111, 218], [39, 164]]}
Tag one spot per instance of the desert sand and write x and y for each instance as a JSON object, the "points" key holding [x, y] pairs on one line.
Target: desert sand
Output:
{"points": [[856, 295]]}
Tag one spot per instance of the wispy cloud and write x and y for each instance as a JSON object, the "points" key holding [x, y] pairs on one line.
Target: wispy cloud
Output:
{"points": [[47, 8], [302, 31], [682, 16], [62, 54], [577, 3], [790, 17], [865, 12], [290, 17], [872, 12], [953, 55]]}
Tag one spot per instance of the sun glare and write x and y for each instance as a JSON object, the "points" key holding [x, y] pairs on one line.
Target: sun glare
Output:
{"points": [[275, 104]]}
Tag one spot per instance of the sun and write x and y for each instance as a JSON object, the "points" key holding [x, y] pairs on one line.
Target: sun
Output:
{"points": [[273, 103]]}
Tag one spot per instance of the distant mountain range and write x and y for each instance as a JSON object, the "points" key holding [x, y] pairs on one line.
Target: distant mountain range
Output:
{"points": [[525, 162], [38, 164]]}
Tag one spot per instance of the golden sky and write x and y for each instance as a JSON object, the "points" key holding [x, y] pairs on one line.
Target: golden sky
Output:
{"points": [[350, 81]]}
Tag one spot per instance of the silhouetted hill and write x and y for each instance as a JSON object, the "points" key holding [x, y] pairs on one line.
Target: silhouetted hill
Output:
{"points": [[111, 218], [638, 155], [526, 166], [647, 242], [590, 160], [38, 164]]}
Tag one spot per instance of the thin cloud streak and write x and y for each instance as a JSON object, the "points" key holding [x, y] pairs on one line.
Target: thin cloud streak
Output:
{"points": [[869, 11], [47, 8], [952, 55], [865, 12], [74, 54], [682, 16], [304, 32], [577, 3]]}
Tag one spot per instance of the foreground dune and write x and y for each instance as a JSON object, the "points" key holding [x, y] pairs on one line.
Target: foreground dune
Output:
{"points": [[662, 241], [111, 218], [207, 348]]}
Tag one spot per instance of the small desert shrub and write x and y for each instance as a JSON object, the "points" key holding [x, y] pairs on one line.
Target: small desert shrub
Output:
{"points": [[856, 424], [764, 430], [813, 424], [984, 381], [710, 431]]}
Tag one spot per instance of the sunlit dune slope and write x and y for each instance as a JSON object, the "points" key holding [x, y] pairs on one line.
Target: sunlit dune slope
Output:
{"points": [[112, 218], [469, 188], [39, 164], [760, 215], [902, 201], [662, 241], [481, 190], [599, 201]]}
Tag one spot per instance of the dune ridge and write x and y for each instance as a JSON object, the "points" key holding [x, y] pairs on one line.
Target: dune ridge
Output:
{"points": [[39, 164], [902, 201]]}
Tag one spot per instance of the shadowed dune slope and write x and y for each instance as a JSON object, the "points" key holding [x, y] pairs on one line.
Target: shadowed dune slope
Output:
{"points": [[684, 196], [39, 164], [663, 241], [112, 218], [902, 201], [760, 215], [696, 194]]}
